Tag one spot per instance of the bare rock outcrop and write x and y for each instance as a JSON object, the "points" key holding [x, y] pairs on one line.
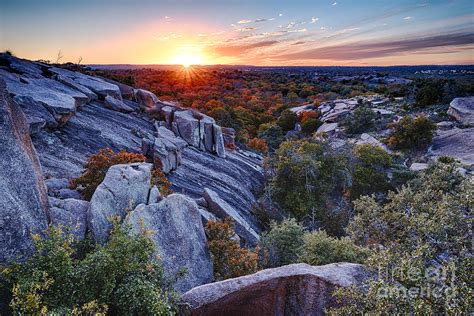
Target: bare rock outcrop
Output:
{"points": [[24, 206], [70, 214], [462, 109], [175, 226], [457, 143], [164, 149], [222, 210], [124, 187], [296, 289]]}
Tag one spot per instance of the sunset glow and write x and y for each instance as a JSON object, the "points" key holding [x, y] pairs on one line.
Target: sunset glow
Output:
{"points": [[188, 60], [259, 32]]}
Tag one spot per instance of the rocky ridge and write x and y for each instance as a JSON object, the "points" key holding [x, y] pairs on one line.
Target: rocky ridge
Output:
{"points": [[66, 116]]}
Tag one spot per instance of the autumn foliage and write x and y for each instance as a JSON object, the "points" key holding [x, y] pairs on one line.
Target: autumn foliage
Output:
{"points": [[258, 144], [228, 258], [159, 179]]}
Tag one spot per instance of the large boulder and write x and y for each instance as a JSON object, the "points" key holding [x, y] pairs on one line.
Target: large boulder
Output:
{"points": [[62, 106], [177, 231], [296, 289], [222, 210], [100, 87], [116, 105], [146, 99], [199, 131], [23, 198], [47, 83], [456, 142], [462, 109], [164, 149], [124, 187], [36, 114], [71, 215]]}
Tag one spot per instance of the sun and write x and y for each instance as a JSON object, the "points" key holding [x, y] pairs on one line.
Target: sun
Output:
{"points": [[187, 60]]}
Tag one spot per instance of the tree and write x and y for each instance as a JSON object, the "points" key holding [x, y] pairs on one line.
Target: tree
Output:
{"points": [[410, 133], [282, 243], [423, 241], [272, 134], [369, 175], [319, 248], [306, 173], [120, 277], [287, 120], [97, 166], [228, 258], [362, 120]]}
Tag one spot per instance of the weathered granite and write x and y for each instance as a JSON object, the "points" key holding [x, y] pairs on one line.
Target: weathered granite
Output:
{"points": [[176, 229], [124, 187], [296, 289], [24, 206]]}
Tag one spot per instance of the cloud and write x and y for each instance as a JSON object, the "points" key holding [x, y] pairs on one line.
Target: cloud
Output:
{"points": [[246, 29], [280, 14], [235, 50], [297, 31], [291, 25], [407, 18], [244, 21], [314, 20], [334, 3], [354, 51]]}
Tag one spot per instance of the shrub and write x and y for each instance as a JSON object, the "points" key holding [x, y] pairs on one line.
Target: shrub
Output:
{"points": [[272, 134], [429, 92], [306, 174], [362, 120], [287, 120], [424, 239], [369, 171], [310, 126], [258, 145], [410, 133], [282, 243], [97, 165], [306, 115], [159, 179], [120, 276], [228, 258], [318, 248]]}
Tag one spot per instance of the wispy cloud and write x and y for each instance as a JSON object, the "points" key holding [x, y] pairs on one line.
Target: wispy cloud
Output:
{"points": [[334, 3], [235, 50], [314, 20], [407, 18], [244, 21], [246, 29], [384, 48]]}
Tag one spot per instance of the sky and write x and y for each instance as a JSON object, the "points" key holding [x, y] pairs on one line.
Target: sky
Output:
{"points": [[250, 32]]}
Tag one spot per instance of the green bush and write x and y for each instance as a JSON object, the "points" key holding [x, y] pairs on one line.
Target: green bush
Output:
{"points": [[306, 174], [310, 126], [362, 120], [287, 120], [272, 134], [423, 237], [282, 243], [319, 248], [121, 277], [410, 133], [369, 175]]}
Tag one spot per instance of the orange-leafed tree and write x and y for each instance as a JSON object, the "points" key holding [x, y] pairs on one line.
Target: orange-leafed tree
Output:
{"points": [[228, 258], [97, 165]]}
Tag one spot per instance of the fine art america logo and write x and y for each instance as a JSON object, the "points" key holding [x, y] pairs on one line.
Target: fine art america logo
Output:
{"points": [[434, 283]]}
